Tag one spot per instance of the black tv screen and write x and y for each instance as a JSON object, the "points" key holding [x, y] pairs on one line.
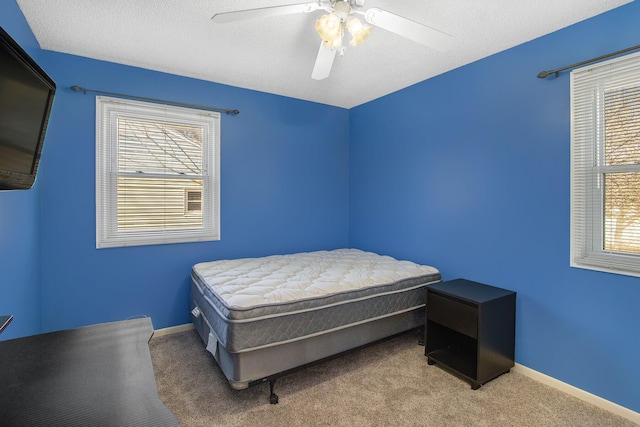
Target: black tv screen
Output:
{"points": [[26, 96]]}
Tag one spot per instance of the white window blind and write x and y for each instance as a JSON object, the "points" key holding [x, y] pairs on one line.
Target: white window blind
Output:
{"points": [[157, 173], [605, 166]]}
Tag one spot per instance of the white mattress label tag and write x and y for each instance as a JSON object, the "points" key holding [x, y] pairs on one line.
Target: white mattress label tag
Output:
{"points": [[212, 345]]}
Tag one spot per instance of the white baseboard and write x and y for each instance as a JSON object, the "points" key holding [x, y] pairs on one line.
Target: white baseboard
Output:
{"points": [[579, 393], [173, 330]]}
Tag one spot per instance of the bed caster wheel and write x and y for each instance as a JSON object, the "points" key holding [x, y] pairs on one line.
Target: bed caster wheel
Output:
{"points": [[273, 398], [431, 361]]}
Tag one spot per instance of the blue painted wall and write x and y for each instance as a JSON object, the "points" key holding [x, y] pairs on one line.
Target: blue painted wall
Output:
{"points": [[473, 177], [284, 188], [20, 262]]}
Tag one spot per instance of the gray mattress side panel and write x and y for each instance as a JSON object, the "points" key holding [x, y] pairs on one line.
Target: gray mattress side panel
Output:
{"points": [[243, 336]]}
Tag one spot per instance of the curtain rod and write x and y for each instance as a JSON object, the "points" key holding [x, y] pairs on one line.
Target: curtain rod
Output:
{"points": [[160, 101], [544, 74]]}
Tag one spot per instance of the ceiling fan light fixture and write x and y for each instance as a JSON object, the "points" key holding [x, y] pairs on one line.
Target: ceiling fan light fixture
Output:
{"points": [[358, 31], [340, 19], [329, 27], [333, 44]]}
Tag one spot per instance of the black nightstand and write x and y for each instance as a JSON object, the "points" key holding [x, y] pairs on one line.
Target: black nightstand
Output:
{"points": [[470, 329]]}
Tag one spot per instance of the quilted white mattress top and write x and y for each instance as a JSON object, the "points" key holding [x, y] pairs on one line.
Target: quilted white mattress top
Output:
{"points": [[252, 282]]}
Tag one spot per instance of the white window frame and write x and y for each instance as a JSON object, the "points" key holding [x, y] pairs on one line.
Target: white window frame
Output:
{"points": [[108, 109], [588, 86]]}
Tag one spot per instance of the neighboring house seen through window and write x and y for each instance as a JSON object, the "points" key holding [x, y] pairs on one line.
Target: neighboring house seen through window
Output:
{"points": [[193, 201], [157, 173], [605, 166]]}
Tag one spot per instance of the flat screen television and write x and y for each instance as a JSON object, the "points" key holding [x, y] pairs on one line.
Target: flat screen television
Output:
{"points": [[26, 96]]}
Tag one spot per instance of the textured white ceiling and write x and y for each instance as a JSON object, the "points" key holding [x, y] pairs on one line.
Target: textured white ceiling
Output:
{"points": [[277, 54]]}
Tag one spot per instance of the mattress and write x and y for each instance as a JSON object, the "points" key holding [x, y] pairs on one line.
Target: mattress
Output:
{"points": [[256, 303]]}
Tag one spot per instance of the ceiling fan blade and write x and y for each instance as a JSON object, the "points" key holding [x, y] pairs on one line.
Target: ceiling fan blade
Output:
{"points": [[243, 15], [409, 29], [324, 62]]}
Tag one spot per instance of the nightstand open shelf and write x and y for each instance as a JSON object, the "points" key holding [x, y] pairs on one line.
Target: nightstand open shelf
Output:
{"points": [[470, 329], [451, 348]]}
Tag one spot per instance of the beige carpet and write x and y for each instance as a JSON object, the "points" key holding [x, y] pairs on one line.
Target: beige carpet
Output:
{"points": [[388, 384]]}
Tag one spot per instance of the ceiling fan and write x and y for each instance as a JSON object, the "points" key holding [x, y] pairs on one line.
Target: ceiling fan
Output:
{"points": [[341, 17]]}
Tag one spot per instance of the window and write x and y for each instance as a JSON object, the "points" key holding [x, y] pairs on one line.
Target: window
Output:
{"points": [[605, 166], [157, 173]]}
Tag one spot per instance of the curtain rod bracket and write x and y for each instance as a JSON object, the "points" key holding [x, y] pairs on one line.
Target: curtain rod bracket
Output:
{"points": [[234, 112], [79, 89]]}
